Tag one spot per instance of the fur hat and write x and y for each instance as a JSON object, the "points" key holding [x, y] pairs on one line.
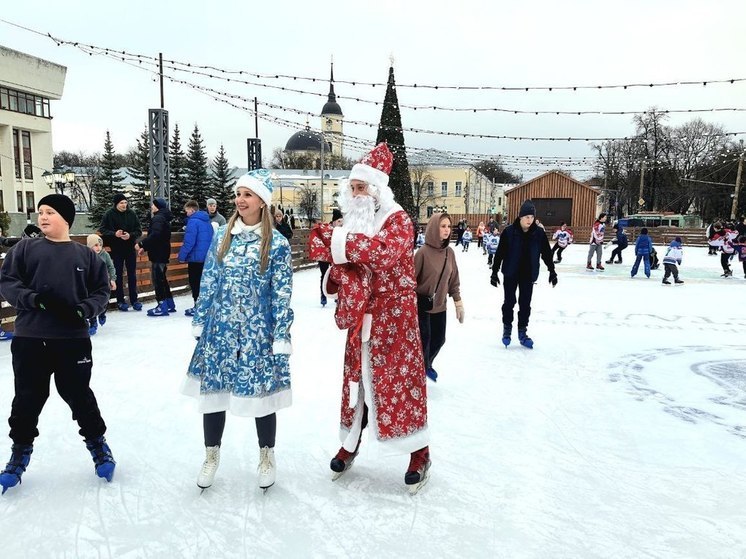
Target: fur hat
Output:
{"points": [[527, 208], [92, 240], [259, 182], [375, 167], [61, 204]]}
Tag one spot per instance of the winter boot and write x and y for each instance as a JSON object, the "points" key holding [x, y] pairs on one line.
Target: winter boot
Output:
{"points": [[170, 305], [19, 459], [343, 460], [525, 340], [589, 266], [507, 330], [102, 319], [267, 469], [102, 457], [160, 310], [189, 312], [418, 470], [137, 305], [432, 374], [209, 467]]}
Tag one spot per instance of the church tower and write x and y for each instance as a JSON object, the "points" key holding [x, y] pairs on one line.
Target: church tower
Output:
{"points": [[332, 118]]}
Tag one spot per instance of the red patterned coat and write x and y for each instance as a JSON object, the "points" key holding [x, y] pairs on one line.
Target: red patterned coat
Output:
{"points": [[378, 306]]}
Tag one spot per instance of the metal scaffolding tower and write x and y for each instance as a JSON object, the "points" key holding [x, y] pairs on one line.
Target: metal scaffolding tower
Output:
{"points": [[160, 175]]}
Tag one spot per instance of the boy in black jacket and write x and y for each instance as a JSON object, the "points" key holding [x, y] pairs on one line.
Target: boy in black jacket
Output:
{"points": [[520, 246], [158, 246], [55, 285]]}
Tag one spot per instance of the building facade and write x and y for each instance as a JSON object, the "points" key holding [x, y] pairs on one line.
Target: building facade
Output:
{"points": [[27, 87]]}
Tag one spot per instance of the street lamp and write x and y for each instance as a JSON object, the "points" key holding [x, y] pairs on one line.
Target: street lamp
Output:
{"points": [[59, 178]]}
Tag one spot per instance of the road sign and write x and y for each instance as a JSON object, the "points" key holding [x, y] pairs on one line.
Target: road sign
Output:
{"points": [[641, 201]]}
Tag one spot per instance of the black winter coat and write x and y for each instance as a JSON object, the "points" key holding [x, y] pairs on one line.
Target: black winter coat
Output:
{"points": [[514, 244], [114, 220], [158, 242]]}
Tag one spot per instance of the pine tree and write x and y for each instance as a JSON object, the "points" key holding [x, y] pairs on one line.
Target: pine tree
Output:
{"points": [[222, 182], [390, 131], [197, 180], [177, 165], [140, 172], [105, 184]]}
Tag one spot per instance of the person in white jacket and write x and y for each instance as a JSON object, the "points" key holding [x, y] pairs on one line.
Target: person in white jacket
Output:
{"points": [[672, 261]]}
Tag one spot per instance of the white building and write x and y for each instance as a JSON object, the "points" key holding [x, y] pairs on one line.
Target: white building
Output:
{"points": [[27, 87]]}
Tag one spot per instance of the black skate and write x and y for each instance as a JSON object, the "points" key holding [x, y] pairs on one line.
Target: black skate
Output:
{"points": [[342, 462], [418, 472], [19, 460]]}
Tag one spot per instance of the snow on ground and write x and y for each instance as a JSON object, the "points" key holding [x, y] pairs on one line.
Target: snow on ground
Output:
{"points": [[622, 434]]}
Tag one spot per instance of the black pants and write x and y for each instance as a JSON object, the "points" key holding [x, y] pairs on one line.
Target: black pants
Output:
{"points": [[160, 281], [323, 267], [617, 252], [194, 269], [558, 249], [671, 269], [724, 258], [525, 289], [128, 260], [214, 424], [432, 334], [34, 362]]}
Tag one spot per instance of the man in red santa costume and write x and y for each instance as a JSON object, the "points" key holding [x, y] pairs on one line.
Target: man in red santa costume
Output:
{"points": [[372, 273]]}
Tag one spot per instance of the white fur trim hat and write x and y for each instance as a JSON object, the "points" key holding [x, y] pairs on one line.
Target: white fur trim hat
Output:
{"points": [[375, 167], [259, 182]]}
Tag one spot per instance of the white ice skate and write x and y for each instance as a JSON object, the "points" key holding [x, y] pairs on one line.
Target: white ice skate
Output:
{"points": [[209, 467], [267, 469]]}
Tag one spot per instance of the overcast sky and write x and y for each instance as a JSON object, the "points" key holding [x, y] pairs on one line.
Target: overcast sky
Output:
{"points": [[470, 42]]}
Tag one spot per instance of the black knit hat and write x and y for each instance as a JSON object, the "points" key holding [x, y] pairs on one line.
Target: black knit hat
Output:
{"points": [[160, 203], [61, 204], [118, 197], [527, 208]]}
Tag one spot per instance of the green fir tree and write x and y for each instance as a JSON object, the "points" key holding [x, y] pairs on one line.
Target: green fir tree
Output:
{"points": [[197, 179], [177, 166], [139, 199], [390, 131], [105, 183], [223, 180]]}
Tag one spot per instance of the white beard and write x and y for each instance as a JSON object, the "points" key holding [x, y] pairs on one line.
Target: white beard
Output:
{"points": [[359, 214]]}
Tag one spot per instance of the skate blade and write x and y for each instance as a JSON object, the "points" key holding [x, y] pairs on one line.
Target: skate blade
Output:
{"points": [[415, 488], [264, 489]]}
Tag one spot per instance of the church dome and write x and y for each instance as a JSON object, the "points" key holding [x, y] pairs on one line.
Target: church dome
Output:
{"points": [[306, 140], [331, 108]]}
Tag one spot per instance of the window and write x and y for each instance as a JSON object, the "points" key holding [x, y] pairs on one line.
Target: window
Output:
{"points": [[16, 154], [444, 188], [430, 188], [499, 200], [30, 200], [416, 189], [429, 211], [19, 201], [12, 100], [458, 188], [28, 172]]}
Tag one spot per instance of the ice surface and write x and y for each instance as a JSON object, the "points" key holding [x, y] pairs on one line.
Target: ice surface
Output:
{"points": [[622, 434]]}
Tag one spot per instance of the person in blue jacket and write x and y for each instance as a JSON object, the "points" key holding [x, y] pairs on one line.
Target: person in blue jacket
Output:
{"points": [[643, 248], [518, 252], [197, 239], [621, 243]]}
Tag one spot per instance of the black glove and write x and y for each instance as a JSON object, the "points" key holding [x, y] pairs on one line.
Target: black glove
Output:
{"points": [[553, 278], [53, 305], [494, 280]]}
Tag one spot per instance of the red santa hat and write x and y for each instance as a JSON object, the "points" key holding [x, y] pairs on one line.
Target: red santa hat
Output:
{"points": [[375, 167]]}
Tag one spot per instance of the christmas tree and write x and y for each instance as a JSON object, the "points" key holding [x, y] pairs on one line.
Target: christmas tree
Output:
{"points": [[177, 168], [197, 180], [222, 182], [104, 185], [139, 199], [390, 131]]}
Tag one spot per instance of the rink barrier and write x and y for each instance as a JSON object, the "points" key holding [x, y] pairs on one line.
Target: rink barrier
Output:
{"points": [[177, 274]]}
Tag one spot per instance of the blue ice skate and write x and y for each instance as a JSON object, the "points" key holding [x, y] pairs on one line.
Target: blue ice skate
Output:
{"points": [[507, 329], [170, 305], [432, 374], [525, 340], [189, 312], [137, 305], [5, 335], [19, 460], [160, 310], [102, 458]]}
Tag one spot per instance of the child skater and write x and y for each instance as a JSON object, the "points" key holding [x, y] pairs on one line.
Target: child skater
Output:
{"points": [[96, 244], [242, 322], [55, 285], [672, 260], [564, 238], [465, 240], [491, 241]]}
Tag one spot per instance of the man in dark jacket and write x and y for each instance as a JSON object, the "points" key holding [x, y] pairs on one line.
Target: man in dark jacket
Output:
{"points": [[119, 229], [158, 246], [197, 239], [520, 246], [282, 225]]}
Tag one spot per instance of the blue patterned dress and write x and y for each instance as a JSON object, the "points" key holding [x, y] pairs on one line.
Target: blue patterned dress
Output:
{"points": [[241, 359]]}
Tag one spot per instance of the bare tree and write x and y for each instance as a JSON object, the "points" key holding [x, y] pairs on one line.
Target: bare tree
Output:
{"points": [[423, 187], [308, 204]]}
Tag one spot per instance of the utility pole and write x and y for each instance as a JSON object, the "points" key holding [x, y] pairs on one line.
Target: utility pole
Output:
{"points": [[321, 211], [641, 200], [734, 207]]}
